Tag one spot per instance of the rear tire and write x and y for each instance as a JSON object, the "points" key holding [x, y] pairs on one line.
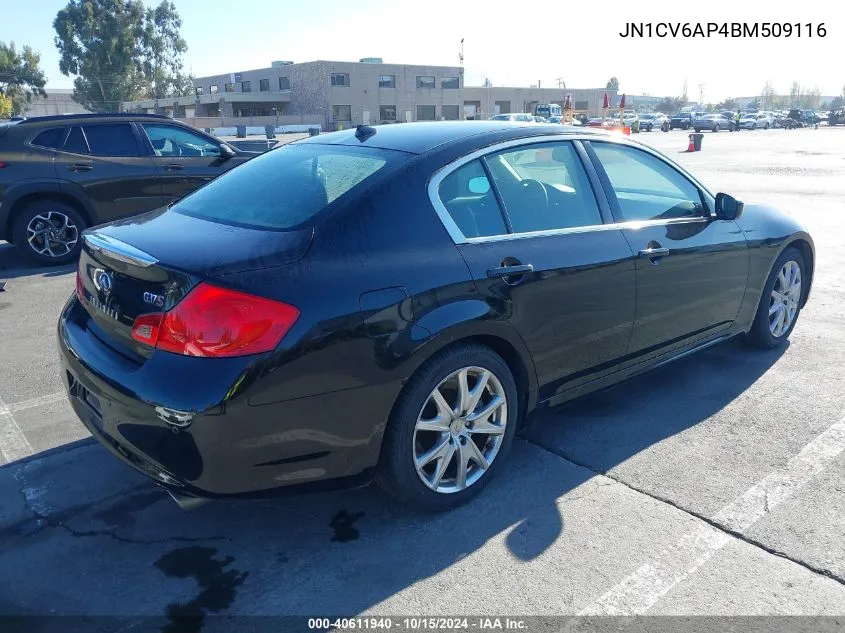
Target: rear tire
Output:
{"points": [[406, 444], [48, 232], [762, 333]]}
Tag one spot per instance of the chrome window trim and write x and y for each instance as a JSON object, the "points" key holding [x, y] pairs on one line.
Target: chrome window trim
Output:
{"points": [[459, 238]]}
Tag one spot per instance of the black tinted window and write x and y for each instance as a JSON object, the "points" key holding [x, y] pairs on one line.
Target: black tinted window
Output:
{"points": [[111, 140], [289, 186], [51, 138], [76, 142], [468, 197]]}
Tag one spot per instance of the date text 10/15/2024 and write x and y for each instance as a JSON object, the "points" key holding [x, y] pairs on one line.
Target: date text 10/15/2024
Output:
{"points": [[418, 624], [723, 29]]}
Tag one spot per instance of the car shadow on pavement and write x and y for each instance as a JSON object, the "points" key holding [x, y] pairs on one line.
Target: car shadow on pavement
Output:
{"points": [[12, 266], [106, 541]]}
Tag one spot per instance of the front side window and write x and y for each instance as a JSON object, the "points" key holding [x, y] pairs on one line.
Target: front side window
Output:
{"points": [[115, 139], [340, 79], [289, 187], [425, 82], [425, 113], [342, 113], [450, 82], [246, 86], [646, 187], [544, 187], [264, 85], [469, 199], [387, 81], [174, 141]]}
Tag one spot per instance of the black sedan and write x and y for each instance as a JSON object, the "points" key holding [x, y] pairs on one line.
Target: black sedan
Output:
{"points": [[683, 120], [392, 302]]}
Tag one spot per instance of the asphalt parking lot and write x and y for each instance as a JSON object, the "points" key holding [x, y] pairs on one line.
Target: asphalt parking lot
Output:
{"points": [[714, 485]]}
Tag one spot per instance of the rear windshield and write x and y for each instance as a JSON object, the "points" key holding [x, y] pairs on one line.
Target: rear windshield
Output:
{"points": [[289, 187]]}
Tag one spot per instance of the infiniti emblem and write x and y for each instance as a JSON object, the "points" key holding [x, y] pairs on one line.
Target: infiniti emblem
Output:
{"points": [[102, 281]]}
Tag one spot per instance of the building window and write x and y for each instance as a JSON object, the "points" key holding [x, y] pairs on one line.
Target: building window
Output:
{"points": [[342, 113], [450, 82], [198, 90], [340, 79], [284, 83], [425, 113], [387, 81], [264, 85], [450, 112], [213, 89], [229, 87], [581, 105], [387, 113], [246, 86], [425, 82]]}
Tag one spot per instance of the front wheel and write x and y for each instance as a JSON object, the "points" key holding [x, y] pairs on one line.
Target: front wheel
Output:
{"points": [[766, 127], [716, 128], [780, 303], [48, 232], [450, 430], [697, 130]]}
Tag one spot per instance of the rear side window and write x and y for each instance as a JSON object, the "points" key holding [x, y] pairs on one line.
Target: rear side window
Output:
{"points": [[289, 187], [51, 139], [468, 197], [76, 142], [111, 140]]}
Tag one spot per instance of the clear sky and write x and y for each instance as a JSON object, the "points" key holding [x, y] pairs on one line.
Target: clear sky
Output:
{"points": [[513, 43]]}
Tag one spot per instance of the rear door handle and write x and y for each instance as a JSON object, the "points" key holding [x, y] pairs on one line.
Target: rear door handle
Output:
{"points": [[81, 167], [172, 167], [509, 271], [653, 253]]}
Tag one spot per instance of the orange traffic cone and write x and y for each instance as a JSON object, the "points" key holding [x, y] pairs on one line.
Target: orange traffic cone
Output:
{"points": [[691, 147]]}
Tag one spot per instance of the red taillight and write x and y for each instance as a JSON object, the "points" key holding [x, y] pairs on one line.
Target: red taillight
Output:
{"points": [[80, 289], [215, 321], [2, 164]]}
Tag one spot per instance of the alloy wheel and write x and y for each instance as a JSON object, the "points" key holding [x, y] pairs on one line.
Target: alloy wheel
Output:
{"points": [[52, 234], [460, 430], [786, 294]]}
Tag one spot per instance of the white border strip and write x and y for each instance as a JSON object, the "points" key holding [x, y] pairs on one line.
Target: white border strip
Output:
{"points": [[13, 443], [640, 590]]}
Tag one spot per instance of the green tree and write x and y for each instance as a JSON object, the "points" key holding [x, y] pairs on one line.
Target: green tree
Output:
{"points": [[20, 76], [728, 104], [162, 48], [5, 107], [613, 84], [120, 50], [668, 105]]}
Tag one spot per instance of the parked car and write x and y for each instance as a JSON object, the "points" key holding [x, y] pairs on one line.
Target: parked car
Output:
{"points": [[595, 122], [539, 119], [683, 120], [555, 119], [765, 120], [836, 117], [748, 121], [222, 346], [514, 116], [64, 173], [713, 122]]}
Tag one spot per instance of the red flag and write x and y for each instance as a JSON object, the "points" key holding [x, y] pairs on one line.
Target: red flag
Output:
{"points": [[622, 102], [605, 101]]}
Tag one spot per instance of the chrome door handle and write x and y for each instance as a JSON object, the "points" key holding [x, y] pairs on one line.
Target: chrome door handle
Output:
{"points": [[654, 252], [508, 271]]}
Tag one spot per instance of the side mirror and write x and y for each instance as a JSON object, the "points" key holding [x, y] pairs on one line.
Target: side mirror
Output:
{"points": [[728, 207], [226, 151]]}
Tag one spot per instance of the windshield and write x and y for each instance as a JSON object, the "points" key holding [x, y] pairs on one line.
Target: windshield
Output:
{"points": [[288, 187]]}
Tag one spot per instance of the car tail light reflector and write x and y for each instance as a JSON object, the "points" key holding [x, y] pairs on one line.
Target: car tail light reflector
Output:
{"points": [[80, 289], [217, 322]]}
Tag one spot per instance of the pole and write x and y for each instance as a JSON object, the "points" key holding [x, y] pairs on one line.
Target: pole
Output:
{"points": [[461, 114]]}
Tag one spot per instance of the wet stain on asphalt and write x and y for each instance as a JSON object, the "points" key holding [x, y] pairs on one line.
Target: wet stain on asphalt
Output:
{"points": [[343, 524], [217, 585], [121, 513]]}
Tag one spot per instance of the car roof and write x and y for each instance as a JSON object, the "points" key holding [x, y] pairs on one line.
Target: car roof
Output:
{"points": [[421, 137]]}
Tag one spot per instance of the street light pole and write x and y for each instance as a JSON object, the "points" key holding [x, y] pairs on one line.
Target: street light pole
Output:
{"points": [[461, 85]]}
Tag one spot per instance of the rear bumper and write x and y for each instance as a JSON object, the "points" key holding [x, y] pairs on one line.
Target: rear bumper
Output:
{"points": [[226, 446]]}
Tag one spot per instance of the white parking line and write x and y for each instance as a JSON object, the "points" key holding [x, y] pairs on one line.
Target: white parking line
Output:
{"points": [[36, 402], [640, 590], [13, 443]]}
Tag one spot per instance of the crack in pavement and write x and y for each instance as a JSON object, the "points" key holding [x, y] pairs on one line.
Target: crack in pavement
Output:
{"points": [[827, 573], [60, 521]]}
